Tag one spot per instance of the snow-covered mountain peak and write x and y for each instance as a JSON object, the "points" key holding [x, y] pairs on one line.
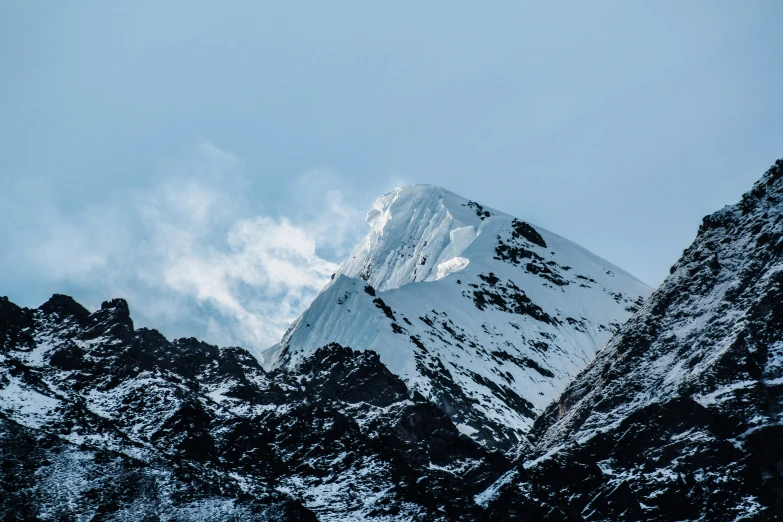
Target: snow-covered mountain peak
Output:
{"points": [[418, 233], [486, 315]]}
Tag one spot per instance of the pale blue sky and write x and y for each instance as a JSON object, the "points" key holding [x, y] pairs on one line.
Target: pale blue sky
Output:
{"points": [[139, 141]]}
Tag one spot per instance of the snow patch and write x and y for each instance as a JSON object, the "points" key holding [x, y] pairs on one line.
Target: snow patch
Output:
{"points": [[452, 266], [27, 406], [466, 430]]}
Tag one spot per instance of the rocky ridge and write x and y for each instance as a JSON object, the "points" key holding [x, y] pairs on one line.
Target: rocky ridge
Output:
{"points": [[101, 421]]}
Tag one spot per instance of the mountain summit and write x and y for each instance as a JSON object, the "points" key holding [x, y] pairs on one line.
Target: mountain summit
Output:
{"points": [[417, 233], [484, 314]]}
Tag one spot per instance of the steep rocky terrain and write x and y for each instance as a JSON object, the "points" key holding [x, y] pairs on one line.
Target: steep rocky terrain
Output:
{"points": [[486, 315], [101, 421], [680, 417]]}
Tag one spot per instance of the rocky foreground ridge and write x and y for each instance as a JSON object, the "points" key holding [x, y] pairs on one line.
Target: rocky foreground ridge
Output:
{"points": [[101, 421]]}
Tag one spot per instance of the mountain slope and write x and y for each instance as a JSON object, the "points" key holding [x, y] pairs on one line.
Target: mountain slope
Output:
{"points": [[101, 421], [680, 417], [486, 315]]}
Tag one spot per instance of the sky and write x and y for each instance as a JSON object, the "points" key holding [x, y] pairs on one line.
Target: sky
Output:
{"points": [[212, 162]]}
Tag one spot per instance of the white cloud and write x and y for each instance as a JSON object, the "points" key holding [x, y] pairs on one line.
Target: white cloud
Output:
{"points": [[191, 257]]}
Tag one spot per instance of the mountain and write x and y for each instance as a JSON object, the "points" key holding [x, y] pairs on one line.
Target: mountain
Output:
{"points": [[486, 315], [680, 417], [102, 421]]}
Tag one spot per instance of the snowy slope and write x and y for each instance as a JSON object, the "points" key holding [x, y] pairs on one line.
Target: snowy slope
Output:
{"points": [[680, 417], [484, 314]]}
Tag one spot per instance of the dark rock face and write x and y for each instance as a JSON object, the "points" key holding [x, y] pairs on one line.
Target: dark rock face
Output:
{"points": [[102, 421], [507, 297], [679, 417], [531, 234], [62, 307], [352, 377]]}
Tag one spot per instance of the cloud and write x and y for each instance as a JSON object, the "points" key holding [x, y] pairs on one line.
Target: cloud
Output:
{"points": [[190, 255]]}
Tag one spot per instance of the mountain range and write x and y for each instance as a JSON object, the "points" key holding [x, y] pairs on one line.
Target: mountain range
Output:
{"points": [[462, 364]]}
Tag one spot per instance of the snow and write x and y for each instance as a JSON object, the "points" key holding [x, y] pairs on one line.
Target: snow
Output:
{"points": [[774, 382], [426, 253], [719, 395], [452, 266], [25, 405], [543, 458], [466, 430], [489, 494], [218, 394]]}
